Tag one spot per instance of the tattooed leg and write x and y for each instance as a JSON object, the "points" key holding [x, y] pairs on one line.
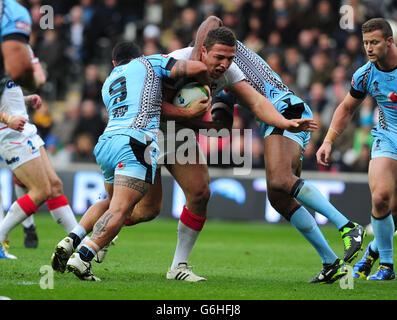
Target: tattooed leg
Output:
{"points": [[149, 207], [132, 183], [93, 214], [127, 192]]}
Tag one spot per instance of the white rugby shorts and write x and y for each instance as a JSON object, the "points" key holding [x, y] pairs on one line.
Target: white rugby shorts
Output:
{"points": [[19, 147]]}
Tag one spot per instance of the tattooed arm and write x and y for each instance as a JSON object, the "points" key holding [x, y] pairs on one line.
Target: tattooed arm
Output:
{"points": [[189, 68]]}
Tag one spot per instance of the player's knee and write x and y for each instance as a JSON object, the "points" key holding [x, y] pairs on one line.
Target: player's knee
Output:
{"points": [[381, 200], [121, 208], [278, 182], [39, 195], [56, 188], [281, 205], [200, 195]]}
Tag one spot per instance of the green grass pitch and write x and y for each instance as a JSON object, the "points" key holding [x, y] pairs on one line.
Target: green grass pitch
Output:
{"points": [[242, 261]]}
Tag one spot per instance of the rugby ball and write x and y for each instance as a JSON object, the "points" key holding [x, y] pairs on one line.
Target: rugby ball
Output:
{"points": [[189, 93]]}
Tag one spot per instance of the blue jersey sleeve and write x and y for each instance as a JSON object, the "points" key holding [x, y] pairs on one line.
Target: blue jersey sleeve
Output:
{"points": [[162, 64], [359, 82], [15, 21]]}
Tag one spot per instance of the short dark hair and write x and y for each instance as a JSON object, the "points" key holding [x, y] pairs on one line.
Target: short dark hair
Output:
{"points": [[221, 35], [378, 24], [123, 52]]}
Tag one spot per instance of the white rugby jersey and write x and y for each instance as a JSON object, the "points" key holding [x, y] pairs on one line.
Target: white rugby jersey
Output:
{"points": [[232, 75], [13, 103]]}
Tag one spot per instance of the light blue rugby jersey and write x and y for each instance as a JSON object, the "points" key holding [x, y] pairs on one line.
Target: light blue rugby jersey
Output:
{"points": [[382, 86], [15, 24], [15, 19], [133, 98], [259, 74]]}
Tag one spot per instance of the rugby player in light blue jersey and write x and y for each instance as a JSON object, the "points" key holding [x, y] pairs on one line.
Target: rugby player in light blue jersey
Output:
{"points": [[15, 29], [127, 151], [378, 77], [283, 156]]}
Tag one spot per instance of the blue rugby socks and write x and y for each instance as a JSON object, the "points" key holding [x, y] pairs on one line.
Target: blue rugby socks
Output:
{"points": [[384, 231], [304, 222], [310, 196]]}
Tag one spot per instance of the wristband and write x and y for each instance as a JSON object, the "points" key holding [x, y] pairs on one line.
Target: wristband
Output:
{"points": [[9, 120], [4, 118]]}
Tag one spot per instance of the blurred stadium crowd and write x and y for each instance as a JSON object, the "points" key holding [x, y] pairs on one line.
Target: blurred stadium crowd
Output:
{"points": [[300, 39]]}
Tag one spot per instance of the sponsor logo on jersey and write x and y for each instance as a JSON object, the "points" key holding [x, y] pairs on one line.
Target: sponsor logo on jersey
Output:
{"points": [[11, 84], [12, 160], [23, 26]]}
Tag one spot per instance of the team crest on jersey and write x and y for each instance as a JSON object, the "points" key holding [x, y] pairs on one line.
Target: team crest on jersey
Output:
{"points": [[377, 143], [376, 86], [392, 96]]}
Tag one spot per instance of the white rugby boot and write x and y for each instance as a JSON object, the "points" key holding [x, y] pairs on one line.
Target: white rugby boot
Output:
{"points": [[61, 255], [80, 268], [184, 272]]}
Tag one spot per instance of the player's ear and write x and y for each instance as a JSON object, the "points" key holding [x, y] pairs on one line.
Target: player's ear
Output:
{"points": [[203, 51], [114, 63], [389, 41]]}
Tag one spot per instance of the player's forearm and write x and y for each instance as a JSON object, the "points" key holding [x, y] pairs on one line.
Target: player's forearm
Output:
{"points": [[210, 23], [264, 110], [260, 106], [172, 112], [342, 115], [188, 68], [340, 119]]}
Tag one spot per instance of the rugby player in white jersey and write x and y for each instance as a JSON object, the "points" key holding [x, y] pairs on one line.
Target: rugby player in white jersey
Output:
{"points": [[217, 53], [24, 153]]}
